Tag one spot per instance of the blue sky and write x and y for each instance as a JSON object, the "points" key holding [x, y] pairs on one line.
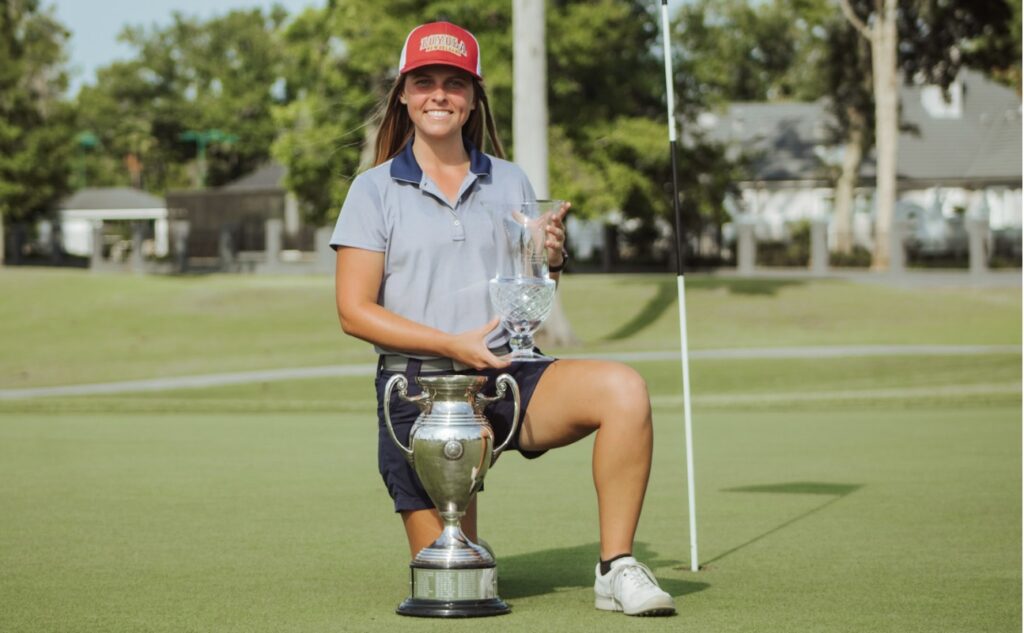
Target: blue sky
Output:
{"points": [[94, 25]]}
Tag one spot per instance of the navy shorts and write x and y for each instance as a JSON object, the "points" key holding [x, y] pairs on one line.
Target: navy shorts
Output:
{"points": [[399, 477]]}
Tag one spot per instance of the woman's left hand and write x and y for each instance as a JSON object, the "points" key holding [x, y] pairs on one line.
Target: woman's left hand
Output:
{"points": [[555, 242]]}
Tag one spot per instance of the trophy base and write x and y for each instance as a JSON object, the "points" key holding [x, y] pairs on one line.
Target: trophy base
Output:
{"points": [[417, 607], [453, 593]]}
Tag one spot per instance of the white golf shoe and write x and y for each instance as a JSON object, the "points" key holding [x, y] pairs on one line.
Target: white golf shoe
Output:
{"points": [[630, 587]]}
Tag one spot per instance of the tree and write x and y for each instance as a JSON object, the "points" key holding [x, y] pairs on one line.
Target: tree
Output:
{"points": [[939, 37], [221, 74], [605, 98], [849, 89], [885, 86], [606, 107], [607, 120], [928, 40], [340, 61], [324, 123], [35, 132], [602, 75], [998, 51], [735, 50]]}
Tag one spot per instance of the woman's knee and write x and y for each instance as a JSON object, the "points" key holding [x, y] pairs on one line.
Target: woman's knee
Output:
{"points": [[629, 399]]}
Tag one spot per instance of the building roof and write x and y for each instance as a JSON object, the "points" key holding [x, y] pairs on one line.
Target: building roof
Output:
{"points": [[268, 176], [779, 138], [976, 137], [111, 198], [982, 143]]}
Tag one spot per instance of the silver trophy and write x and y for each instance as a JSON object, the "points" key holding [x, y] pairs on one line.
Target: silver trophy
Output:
{"points": [[451, 447], [522, 293]]}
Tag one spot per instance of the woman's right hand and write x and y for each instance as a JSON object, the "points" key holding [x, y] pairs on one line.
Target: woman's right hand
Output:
{"points": [[470, 348]]}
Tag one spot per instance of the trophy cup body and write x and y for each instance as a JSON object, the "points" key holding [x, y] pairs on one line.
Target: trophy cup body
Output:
{"points": [[451, 448], [522, 293]]}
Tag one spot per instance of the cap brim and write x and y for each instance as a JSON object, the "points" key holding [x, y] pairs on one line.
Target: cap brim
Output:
{"points": [[434, 62]]}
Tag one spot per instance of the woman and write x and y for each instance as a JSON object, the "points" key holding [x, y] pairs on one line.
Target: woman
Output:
{"points": [[415, 250]]}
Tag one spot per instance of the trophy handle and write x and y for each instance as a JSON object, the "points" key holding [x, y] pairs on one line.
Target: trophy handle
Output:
{"points": [[502, 381], [403, 384]]}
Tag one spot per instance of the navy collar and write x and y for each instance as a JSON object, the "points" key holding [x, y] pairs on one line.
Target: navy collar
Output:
{"points": [[405, 168]]}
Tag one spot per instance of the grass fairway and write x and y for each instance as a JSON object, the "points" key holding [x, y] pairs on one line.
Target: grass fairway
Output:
{"points": [[61, 327], [836, 494]]}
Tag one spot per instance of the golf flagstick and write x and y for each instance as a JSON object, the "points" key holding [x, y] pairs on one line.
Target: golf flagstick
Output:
{"points": [[680, 287]]}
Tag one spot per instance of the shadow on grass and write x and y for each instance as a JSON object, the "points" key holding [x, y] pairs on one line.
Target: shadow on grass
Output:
{"points": [[667, 296], [738, 286], [542, 572], [835, 492]]}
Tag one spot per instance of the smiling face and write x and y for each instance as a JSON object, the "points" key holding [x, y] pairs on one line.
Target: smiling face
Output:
{"points": [[439, 100]]}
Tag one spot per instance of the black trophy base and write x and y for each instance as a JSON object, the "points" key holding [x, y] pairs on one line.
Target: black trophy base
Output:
{"points": [[420, 608]]}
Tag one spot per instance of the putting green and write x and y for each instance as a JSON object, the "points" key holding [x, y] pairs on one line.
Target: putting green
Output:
{"points": [[883, 515]]}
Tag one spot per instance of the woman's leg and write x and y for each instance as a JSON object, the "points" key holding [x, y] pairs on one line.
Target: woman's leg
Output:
{"points": [[422, 527], [577, 397]]}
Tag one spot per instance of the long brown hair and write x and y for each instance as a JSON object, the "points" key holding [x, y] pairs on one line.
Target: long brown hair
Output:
{"points": [[396, 128]]}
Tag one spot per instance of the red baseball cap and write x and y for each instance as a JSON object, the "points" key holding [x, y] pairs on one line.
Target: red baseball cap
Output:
{"points": [[441, 43]]}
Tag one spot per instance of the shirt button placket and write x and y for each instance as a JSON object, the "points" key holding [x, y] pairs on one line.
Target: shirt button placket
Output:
{"points": [[458, 231]]}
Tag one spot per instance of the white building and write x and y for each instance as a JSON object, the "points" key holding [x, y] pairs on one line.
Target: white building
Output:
{"points": [[957, 156], [79, 212]]}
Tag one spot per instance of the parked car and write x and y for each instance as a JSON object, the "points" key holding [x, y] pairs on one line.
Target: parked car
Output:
{"points": [[930, 234]]}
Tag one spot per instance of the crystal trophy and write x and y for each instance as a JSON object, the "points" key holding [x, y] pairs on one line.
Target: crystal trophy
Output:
{"points": [[522, 293]]}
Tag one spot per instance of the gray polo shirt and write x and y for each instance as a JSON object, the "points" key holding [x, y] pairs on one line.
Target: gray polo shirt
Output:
{"points": [[438, 256]]}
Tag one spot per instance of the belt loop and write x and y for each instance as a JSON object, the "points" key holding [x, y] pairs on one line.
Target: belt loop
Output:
{"points": [[380, 365], [412, 369]]}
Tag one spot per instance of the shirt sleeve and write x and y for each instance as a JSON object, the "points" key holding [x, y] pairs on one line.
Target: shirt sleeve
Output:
{"points": [[361, 221]]}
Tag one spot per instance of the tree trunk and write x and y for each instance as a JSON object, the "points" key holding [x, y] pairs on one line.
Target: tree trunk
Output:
{"points": [[847, 182], [883, 37], [883, 49], [556, 331], [530, 93], [530, 129]]}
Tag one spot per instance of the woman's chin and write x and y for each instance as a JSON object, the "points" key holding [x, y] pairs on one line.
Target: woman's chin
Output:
{"points": [[439, 132]]}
